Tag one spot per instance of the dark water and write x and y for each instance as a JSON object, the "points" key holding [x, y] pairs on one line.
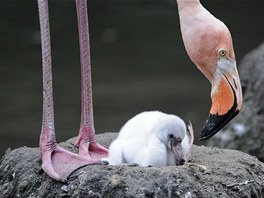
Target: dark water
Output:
{"points": [[138, 63]]}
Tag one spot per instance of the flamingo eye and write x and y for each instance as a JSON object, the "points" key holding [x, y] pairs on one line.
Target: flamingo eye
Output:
{"points": [[222, 52], [171, 136]]}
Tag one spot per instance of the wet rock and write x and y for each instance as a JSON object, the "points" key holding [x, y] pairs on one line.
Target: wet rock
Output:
{"points": [[211, 172], [245, 132]]}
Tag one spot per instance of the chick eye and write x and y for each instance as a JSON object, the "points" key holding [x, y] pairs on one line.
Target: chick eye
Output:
{"points": [[171, 136], [222, 52]]}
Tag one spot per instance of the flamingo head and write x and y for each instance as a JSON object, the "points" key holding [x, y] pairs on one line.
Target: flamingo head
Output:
{"points": [[208, 43]]}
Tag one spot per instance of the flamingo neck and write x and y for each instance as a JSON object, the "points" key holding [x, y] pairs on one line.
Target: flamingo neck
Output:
{"points": [[188, 5], [195, 21]]}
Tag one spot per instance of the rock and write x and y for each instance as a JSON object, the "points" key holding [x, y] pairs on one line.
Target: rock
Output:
{"points": [[212, 172], [245, 133]]}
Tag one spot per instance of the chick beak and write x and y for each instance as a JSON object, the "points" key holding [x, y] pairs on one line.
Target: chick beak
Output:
{"points": [[176, 149], [226, 98]]}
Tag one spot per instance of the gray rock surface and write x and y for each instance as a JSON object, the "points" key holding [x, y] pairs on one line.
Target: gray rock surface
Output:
{"points": [[211, 172], [246, 131]]}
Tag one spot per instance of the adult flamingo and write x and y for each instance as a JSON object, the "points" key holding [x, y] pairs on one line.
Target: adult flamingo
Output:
{"points": [[208, 43], [57, 162]]}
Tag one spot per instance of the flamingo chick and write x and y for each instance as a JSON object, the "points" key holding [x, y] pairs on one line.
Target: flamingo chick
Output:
{"points": [[208, 43], [152, 138]]}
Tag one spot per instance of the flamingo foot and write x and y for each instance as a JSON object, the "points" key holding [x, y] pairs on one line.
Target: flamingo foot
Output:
{"points": [[88, 147], [59, 163], [91, 150]]}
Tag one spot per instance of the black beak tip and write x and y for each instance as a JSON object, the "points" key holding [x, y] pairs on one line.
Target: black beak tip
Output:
{"points": [[216, 122], [207, 134]]}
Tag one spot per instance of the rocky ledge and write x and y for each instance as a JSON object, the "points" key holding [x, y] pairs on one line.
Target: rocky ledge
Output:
{"points": [[211, 172]]}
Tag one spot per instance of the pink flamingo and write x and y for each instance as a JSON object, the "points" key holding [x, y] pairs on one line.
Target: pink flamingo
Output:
{"points": [[57, 162], [208, 43]]}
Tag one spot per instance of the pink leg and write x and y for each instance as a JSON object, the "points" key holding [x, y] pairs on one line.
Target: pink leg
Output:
{"points": [[57, 162], [86, 138]]}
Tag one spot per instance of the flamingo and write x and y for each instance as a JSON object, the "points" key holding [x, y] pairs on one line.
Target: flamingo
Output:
{"points": [[152, 138], [57, 162], [208, 43]]}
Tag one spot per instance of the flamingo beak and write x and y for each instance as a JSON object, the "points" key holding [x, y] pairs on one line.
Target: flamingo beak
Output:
{"points": [[226, 97], [177, 150]]}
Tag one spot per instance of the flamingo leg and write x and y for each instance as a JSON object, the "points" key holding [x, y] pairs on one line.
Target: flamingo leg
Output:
{"points": [[57, 162], [86, 142]]}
